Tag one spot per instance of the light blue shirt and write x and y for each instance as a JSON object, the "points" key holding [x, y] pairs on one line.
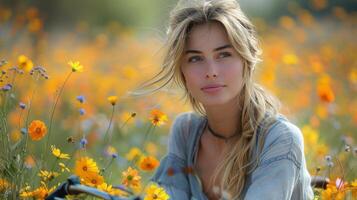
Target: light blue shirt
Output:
{"points": [[280, 175]]}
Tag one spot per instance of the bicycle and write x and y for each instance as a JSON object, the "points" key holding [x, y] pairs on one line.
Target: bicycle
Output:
{"points": [[73, 187]]}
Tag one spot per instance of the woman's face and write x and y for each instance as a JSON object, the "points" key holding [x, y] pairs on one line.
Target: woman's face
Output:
{"points": [[211, 67]]}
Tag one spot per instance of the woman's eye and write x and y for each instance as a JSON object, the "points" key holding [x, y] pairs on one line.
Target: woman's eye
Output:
{"points": [[224, 54], [194, 59]]}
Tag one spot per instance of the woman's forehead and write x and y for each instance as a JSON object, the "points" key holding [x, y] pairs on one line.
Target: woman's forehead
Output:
{"points": [[207, 36]]}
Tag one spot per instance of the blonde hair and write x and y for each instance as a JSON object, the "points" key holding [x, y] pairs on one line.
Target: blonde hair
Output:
{"points": [[257, 104]]}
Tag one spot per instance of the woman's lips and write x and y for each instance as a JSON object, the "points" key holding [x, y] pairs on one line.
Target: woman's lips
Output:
{"points": [[212, 88]]}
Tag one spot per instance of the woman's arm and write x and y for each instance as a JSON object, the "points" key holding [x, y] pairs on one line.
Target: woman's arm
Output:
{"points": [[279, 171]]}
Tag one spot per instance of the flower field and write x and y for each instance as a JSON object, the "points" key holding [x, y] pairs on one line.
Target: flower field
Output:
{"points": [[66, 106]]}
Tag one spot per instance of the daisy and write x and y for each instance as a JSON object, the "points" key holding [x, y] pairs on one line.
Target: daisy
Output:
{"points": [[85, 166], [157, 117], [57, 152]]}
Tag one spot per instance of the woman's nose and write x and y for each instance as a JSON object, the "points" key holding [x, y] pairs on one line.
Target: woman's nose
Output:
{"points": [[212, 71]]}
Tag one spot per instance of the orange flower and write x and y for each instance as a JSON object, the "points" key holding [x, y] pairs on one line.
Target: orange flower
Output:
{"points": [[324, 89], [29, 161], [149, 163], [4, 185], [157, 117], [131, 178], [37, 130], [325, 93]]}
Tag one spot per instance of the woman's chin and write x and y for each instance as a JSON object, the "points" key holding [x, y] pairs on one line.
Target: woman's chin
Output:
{"points": [[214, 102]]}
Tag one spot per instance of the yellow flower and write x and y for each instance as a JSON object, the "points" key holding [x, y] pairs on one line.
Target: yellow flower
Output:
{"points": [[148, 163], [354, 188], [47, 175], [133, 153], [110, 150], [332, 192], [37, 130], [93, 179], [24, 63], [113, 99], [354, 183], [57, 152], [131, 178], [26, 193], [76, 66], [42, 192], [15, 136], [63, 167], [85, 166], [290, 59], [353, 76], [110, 190], [155, 192], [157, 117]]}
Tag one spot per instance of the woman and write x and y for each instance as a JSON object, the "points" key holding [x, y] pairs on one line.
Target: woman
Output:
{"points": [[236, 145]]}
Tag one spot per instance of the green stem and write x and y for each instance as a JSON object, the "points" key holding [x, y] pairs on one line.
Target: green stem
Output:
{"points": [[28, 111], [107, 131], [147, 134], [126, 121], [52, 114], [108, 165], [142, 145]]}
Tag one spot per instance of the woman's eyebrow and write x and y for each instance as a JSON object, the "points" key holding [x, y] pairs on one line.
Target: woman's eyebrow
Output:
{"points": [[216, 49]]}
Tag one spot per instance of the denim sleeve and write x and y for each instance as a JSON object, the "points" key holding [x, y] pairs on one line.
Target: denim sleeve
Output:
{"points": [[280, 163], [169, 174]]}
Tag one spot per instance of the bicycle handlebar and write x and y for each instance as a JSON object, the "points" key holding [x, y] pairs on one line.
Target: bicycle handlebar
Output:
{"points": [[319, 182], [73, 186]]}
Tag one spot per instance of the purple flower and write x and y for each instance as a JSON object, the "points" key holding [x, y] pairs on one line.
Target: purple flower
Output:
{"points": [[7, 87], [114, 155], [83, 142], [80, 98], [82, 111], [328, 158], [22, 105]]}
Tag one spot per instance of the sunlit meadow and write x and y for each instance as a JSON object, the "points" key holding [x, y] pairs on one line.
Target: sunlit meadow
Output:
{"points": [[65, 107]]}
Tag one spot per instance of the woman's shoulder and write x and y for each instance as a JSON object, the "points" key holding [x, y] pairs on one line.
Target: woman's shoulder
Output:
{"points": [[185, 122], [283, 139], [187, 117], [284, 129]]}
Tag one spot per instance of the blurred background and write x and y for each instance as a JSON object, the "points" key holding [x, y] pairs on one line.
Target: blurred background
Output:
{"points": [[309, 62]]}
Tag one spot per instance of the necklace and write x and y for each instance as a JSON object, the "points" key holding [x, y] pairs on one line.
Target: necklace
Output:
{"points": [[220, 136]]}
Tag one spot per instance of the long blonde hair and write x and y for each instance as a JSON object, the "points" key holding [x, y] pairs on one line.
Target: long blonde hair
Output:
{"points": [[257, 104]]}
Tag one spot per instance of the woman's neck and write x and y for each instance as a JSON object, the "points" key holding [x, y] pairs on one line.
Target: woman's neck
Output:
{"points": [[224, 119]]}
